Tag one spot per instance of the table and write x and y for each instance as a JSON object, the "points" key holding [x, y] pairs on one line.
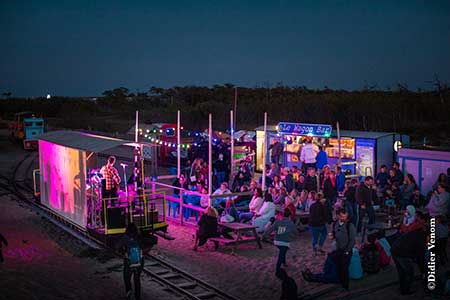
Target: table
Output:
{"points": [[239, 229], [301, 215], [380, 226]]}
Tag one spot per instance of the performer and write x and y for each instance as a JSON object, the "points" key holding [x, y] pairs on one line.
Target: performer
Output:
{"points": [[111, 179]]}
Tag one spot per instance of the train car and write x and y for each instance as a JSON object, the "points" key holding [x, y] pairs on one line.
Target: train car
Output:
{"points": [[27, 126], [71, 186]]}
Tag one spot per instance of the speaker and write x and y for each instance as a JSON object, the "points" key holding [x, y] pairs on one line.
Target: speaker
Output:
{"points": [[116, 217]]}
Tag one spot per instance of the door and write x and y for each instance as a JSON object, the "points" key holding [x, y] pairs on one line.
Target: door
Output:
{"points": [[430, 172]]}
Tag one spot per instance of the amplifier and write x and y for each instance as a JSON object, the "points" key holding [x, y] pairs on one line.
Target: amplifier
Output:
{"points": [[116, 218]]}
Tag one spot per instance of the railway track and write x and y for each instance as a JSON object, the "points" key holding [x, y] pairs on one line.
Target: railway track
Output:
{"points": [[182, 283]]}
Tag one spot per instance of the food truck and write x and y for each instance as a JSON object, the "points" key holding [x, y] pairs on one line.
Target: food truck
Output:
{"points": [[361, 152]]}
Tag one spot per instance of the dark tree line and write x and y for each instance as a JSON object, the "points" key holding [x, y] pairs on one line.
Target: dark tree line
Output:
{"points": [[420, 114]]}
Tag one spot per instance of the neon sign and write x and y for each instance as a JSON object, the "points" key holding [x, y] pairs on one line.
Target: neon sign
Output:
{"points": [[320, 130]]}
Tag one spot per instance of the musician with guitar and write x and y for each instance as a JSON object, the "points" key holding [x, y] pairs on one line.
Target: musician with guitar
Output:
{"points": [[111, 179]]}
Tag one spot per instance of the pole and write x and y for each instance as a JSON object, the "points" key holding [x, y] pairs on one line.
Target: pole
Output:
{"points": [[339, 143], [136, 132], [235, 104], [178, 145], [264, 153], [210, 159], [232, 144]]}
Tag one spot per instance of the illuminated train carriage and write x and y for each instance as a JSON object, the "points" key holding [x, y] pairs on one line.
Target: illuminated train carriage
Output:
{"points": [[27, 126], [71, 187]]}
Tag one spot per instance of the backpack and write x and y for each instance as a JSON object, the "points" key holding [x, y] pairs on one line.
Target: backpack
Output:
{"points": [[355, 270], [370, 259], [347, 226], [385, 253], [134, 253]]}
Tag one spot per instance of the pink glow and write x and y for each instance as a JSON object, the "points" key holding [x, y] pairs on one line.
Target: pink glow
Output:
{"points": [[63, 187]]}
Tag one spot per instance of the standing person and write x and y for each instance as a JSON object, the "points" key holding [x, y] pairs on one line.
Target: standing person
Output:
{"points": [[407, 249], [308, 155], [365, 196], [350, 197], [343, 234], [330, 193], [111, 179], [133, 262], [277, 149], [321, 158], [181, 183], [220, 167], [284, 230], [3, 241], [382, 180], [288, 286], [207, 228], [340, 179], [311, 181], [317, 220], [289, 181]]}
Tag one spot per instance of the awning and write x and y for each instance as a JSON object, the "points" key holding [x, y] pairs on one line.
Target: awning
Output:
{"points": [[82, 140]]}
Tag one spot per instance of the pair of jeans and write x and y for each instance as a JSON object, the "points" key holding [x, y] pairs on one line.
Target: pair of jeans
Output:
{"points": [[405, 270], [193, 200], [127, 274], [370, 213], [220, 178], [281, 256], [319, 234], [246, 217], [174, 206], [342, 261]]}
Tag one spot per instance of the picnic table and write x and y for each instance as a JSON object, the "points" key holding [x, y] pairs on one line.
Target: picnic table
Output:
{"points": [[301, 215], [379, 226], [239, 229]]}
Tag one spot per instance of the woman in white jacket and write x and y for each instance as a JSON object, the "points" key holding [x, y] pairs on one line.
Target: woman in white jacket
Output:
{"points": [[264, 215]]}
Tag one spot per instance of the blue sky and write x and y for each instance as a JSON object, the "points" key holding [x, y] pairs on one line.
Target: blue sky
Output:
{"points": [[77, 48]]}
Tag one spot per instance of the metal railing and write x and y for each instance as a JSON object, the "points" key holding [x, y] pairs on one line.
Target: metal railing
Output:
{"points": [[183, 192]]}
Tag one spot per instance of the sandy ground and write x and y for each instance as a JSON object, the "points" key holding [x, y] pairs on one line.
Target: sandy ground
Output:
{"points": [[43, 262], [250, 273]]}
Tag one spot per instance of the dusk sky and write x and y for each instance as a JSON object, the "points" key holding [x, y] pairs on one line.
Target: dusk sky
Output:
{"points": [[81, 48]]}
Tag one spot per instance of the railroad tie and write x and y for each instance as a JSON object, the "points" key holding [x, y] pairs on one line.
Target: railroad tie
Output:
{"points": [[170, 275], [187, 285], [206, 295], [161, 272]]}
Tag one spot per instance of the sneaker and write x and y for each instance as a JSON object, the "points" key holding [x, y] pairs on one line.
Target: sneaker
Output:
{"points": [[321, 251]]}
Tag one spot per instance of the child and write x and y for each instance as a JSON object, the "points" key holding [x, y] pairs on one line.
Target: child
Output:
{"points": [[284, 230]]}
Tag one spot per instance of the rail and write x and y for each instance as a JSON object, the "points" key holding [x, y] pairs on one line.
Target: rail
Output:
{"points": [[183, 192]]}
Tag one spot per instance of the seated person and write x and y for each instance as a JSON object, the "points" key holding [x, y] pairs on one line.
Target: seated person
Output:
{"points": [[207, 228], [409, 220], [254, 206], [222, 190], [263, 216], [243, 201]]}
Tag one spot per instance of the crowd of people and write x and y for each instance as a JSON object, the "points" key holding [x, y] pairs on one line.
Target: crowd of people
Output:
{"points": [[338, 207]]}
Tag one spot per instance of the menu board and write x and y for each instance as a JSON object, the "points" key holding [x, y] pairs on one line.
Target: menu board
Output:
{"points": [[365, 156], [347, 148]]}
